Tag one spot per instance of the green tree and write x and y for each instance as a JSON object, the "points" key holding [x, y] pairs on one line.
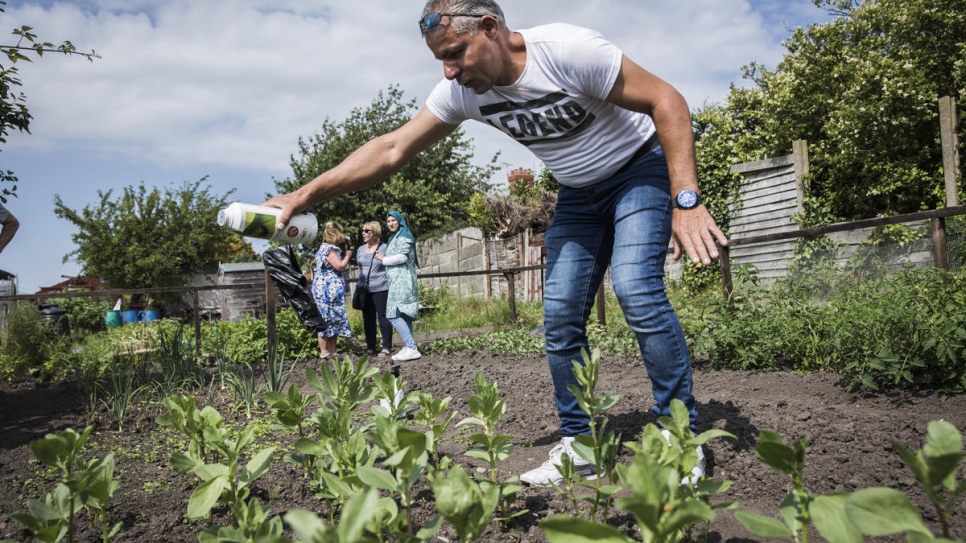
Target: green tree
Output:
{"points": [[432, 190], [14, 114], [862, 89], [149, 238]]}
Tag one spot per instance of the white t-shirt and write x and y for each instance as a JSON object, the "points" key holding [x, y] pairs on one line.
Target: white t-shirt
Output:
{"points": [[558, 107]]}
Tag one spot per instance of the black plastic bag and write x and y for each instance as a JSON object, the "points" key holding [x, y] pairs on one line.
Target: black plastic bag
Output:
{"points": [[283, 267]]}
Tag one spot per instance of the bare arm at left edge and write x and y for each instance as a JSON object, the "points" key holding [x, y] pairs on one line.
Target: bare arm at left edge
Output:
{"points": [[694, 230]]}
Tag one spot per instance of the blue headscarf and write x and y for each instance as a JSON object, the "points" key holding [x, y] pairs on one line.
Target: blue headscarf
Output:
{"points": [[403, 231]]}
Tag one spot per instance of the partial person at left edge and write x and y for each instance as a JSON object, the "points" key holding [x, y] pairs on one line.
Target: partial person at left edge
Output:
{"points": [[8, 227]]}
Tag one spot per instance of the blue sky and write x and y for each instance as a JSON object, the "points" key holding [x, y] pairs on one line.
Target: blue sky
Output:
{"points": [[224, 88]]}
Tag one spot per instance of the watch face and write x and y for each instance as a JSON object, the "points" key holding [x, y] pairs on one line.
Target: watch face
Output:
{"points": [[687, 199]]}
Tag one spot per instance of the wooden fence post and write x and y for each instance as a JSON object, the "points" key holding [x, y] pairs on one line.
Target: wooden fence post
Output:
{"points": [[940, 248], [511, 295], [800, 161], [950, 142], [459, 255], [194, 311], [270, 313]]}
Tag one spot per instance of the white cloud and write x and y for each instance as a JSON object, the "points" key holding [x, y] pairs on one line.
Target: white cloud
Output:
{"points": [[237, 82]]}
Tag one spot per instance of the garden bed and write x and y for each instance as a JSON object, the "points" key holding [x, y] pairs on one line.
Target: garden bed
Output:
{"points": [[847, 449]]}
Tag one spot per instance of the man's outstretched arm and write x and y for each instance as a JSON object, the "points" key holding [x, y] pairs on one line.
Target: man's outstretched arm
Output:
{"points": [[377, 160]]}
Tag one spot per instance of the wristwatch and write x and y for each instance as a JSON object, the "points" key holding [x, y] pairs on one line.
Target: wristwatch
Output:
{"points": [[686, 199]]}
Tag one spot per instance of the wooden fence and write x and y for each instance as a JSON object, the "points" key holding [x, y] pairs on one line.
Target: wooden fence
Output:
{"points": [[936, 217], [270, 295]]}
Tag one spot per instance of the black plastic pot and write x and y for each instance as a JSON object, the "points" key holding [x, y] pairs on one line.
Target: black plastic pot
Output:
{"points": [[56, 318]]}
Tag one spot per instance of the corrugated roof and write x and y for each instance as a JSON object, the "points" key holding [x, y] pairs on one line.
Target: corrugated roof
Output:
{"points": [[236, 267]]}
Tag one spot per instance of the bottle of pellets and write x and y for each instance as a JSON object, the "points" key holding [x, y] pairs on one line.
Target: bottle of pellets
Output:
{"points": [[259, 222]]}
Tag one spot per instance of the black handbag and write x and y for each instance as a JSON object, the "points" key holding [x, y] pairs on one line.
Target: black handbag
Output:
{"points": [[359, 296]]}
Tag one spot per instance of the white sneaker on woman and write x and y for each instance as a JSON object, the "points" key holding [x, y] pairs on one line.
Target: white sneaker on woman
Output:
{"points": [[407, 354]]}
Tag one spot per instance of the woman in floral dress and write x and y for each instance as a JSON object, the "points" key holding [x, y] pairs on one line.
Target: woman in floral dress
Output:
{"points": [[328, 287]]}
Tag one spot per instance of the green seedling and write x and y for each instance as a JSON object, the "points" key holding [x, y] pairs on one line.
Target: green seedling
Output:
{"points": [[488, 408], [356, 514], [663, 508], [199, 426], [254, 525], [800, 507], [344, 383], [673, 449], [227, 481], [363, 514], [240, 379], [289, 408], [434, 413], [333, 456], [390, 389], [290, 412], [406, 459], [880, 512], [466, 504], [122, 392], [277, 373], [598, 447], [89, 485], [336, 464], [683, 447]]}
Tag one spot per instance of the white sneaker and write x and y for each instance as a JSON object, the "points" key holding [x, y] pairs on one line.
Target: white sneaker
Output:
{"points": [[407, 354], [547, 473], [698, 471]]}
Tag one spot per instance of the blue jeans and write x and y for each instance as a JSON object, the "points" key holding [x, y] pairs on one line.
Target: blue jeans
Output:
{"points": [[624, 221], [404, 326]]}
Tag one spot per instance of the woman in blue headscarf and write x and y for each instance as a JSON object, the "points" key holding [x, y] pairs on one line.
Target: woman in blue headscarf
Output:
{"points": [[402, 306]]}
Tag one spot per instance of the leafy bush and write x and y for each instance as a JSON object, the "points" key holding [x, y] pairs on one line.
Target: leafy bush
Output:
{"points": [[246, 341], [297, 340], [908, 330], [86, 314], [29, 343]]}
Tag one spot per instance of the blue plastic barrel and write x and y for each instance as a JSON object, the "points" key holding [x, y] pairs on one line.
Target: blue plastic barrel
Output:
{"points": [[129, 316], [149, 315]]}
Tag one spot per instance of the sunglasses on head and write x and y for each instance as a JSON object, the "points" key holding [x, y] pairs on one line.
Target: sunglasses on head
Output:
{"points": [[432, 20]]}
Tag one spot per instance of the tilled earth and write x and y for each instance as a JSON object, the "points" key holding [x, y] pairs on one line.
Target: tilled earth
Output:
{"points": [[847, 450]]}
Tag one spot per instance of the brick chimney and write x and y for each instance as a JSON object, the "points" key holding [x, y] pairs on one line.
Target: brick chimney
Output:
{"points": [[520, 175]]}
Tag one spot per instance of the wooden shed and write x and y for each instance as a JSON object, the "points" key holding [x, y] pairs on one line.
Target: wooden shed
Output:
{"points": [[238, 302]]}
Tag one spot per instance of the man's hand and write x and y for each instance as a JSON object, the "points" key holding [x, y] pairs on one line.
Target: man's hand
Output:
{"points": [[694, 233], [290, 204]]}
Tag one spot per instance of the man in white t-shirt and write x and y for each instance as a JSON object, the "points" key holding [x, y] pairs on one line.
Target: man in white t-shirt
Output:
{"points": [[619, 141]]}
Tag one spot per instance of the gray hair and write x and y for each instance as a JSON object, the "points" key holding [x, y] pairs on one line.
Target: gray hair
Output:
{"points": [[465, 25]]}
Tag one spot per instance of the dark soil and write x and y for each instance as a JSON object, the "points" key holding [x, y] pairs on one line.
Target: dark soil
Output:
{"points": [[847, 443]]}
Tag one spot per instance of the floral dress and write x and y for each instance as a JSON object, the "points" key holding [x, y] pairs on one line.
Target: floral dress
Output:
{"points": [[403, 287], [328, 289]]}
